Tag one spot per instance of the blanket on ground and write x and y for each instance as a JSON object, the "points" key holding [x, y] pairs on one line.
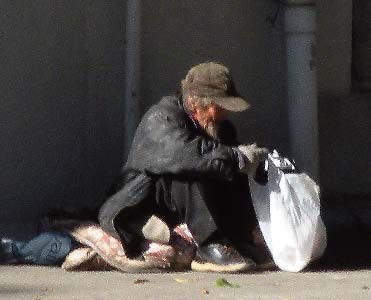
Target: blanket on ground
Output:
{"points": [[100, 251]]}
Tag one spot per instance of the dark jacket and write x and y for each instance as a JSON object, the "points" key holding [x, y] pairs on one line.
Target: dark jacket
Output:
{"points": [[168, 143]]}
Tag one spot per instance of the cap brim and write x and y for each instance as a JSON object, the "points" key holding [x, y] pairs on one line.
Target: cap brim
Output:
{"points": [[232, 103]]}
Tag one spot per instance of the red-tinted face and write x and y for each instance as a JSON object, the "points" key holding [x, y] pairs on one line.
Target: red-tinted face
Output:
{"points": [[208, 117], [215, 112], [211, 113]]}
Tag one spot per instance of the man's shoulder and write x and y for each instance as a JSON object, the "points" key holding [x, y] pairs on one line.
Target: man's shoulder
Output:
{"points": [[168, 106], [171, 100]]}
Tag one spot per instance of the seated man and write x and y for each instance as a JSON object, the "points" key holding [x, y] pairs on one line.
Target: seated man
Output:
{"points": [[186, 166]]}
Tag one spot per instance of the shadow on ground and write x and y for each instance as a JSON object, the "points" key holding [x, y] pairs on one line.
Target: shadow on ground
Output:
{"points": [[348, 224]]}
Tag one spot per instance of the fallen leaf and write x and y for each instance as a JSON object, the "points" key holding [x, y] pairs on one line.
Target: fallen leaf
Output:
{"points": [[180, 280], [205, 292], [222, 282], [140, 281]]}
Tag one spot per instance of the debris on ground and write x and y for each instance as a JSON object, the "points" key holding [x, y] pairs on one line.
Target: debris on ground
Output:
{"points": [[181, 280], [222, 282], [140, 280]]}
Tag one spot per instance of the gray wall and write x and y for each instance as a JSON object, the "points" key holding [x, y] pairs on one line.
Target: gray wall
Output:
{"points": [[62, 86], [334, 46], [345, 124], [344, 116], [179, 34], [61, 90]]}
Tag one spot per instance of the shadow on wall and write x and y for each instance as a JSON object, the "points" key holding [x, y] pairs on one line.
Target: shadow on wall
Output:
{"points": [[345, 126], [348, 232], [61, 89]]}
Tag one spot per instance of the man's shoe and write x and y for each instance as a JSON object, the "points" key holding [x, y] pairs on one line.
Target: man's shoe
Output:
{"points": [[220, 258]]}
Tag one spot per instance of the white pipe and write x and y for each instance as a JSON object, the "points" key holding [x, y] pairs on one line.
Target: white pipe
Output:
{"points": [[300, 26], [132, 78]]}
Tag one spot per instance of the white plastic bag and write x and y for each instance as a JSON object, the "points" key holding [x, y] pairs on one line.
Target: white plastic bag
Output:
{"points": [[288, 212]]}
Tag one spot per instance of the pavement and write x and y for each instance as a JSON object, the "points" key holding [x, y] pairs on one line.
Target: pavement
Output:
{"points": [[44, 283], [344, 272]]}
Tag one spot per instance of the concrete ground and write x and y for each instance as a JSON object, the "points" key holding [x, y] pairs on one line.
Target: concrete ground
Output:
{"points": [[41, 283], [343, 273]]}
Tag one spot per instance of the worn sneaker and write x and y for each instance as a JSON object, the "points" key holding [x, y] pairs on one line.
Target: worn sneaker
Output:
{"points": [[220, 258]]}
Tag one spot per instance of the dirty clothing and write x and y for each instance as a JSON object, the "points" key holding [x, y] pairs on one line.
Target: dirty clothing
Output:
{"points": [[177, 173]]}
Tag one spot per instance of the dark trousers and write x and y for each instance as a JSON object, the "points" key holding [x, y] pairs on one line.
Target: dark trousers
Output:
{"points": [[212, 209]]}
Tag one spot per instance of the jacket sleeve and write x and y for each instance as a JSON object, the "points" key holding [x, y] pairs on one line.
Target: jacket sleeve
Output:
{"points": [[164, 145]]}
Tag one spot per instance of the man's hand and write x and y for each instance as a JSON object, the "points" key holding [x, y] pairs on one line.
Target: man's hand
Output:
{"points": [[253, 156]]}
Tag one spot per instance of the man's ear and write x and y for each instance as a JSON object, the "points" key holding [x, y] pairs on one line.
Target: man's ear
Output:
{"points": [[191, 103]]}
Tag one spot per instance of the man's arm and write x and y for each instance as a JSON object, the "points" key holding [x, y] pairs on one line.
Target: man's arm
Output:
{"points": [[164, 145]]}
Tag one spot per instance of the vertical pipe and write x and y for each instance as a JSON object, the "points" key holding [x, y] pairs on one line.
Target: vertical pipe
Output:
{"points": [[132, 80], [300, 26]]}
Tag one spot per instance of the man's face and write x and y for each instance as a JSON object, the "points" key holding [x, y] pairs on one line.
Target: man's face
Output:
{"points": [[215, 112], [208, 117]]}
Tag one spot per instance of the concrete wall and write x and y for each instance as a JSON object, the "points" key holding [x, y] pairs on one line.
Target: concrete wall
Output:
{"points": [[344, 117], [361, 42], [345, 124], [61, 87], [179, 34], [334, 46], [62, 83]]}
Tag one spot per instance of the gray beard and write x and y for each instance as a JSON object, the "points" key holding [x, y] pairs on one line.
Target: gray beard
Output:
{"points": [[212, 130]]}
